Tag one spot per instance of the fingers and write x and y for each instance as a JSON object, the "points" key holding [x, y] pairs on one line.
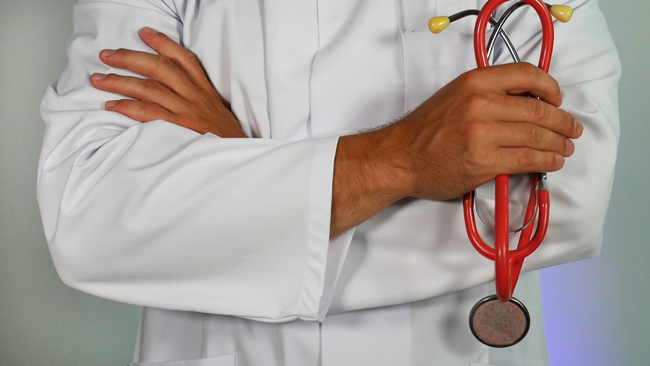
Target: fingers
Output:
{"points": [[174, 66], [525, 135], [139, 111], [181, 56], [499, 95], [519, 79], [157, 67], [523, 160], [513, 148], [146, 90], [539, 113]]}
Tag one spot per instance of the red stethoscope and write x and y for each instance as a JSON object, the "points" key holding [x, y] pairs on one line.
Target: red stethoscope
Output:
{"points": [[501, 320]]}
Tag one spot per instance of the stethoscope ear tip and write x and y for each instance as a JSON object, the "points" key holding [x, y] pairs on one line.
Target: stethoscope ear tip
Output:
{"points": [[562, 13], [438, 24]]}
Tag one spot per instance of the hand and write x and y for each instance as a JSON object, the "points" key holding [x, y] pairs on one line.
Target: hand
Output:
{"points": [[480, 126], [177, 89], [470, 131]]}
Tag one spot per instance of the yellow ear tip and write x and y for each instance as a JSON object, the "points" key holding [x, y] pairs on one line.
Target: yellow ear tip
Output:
{"points": [[562, 13], [438, 24]]}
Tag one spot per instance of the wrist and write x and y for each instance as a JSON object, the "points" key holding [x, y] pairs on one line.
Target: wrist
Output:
{"points": [[368, 177], [376, 160]]}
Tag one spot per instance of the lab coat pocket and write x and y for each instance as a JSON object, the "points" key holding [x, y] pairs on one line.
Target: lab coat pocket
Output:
{"points": [[227, 360], [433, 60]]}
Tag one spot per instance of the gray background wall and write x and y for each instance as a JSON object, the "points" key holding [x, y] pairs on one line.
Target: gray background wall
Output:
{"points": [[594, 310], [597, 309]]}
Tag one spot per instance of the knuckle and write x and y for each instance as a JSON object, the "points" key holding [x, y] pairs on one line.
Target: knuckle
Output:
{"points": [[477, 156], [120, 52], [527, 159], [534, 136], [471, 78], [112, 81], [476, 132], [162, 65], [538, 110], [476, 103], [190, 58], [528, 70], [477, 152], [165, 62], [553, 162], [110, 78], [149, 109], [150, 86]]}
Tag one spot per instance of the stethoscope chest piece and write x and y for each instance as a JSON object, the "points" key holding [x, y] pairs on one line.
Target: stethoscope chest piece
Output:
{"points": [[498, 323]]}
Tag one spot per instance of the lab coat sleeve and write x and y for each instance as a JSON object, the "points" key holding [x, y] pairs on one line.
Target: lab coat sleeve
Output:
{"points": [[586, 65], [157, 215]]}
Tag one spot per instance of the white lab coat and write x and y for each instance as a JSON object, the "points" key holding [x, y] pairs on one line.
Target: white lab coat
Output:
{"points": [[224, 242]]}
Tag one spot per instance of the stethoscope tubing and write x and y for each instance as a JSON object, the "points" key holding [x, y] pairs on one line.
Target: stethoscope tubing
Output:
{"points": [[508, 262]]}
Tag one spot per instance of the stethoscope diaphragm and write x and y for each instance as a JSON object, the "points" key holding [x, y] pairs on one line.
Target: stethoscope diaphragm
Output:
{"points": [[499, 323]]}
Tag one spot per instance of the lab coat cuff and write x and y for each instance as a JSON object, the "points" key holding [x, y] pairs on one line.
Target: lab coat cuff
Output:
{"points": [[336, 254], [324, 256]]}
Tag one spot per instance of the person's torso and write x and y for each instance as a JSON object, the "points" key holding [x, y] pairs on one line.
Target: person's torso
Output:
{"points": [[297, 69]]}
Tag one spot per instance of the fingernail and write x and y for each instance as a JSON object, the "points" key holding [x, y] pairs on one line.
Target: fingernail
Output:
{"points": [[106, 53], [570, 147], [578, 128], [147, 30], [110, 104], [97, 76]]}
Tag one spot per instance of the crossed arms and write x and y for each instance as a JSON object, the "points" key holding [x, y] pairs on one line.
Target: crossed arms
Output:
{"points": [[163, 214], [478, 126]]}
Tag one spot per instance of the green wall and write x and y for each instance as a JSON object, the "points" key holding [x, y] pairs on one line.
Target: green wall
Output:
{"points": [[42, 322]]}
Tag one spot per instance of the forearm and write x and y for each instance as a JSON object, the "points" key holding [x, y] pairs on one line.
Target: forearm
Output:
{"points": [[367, 178]]}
